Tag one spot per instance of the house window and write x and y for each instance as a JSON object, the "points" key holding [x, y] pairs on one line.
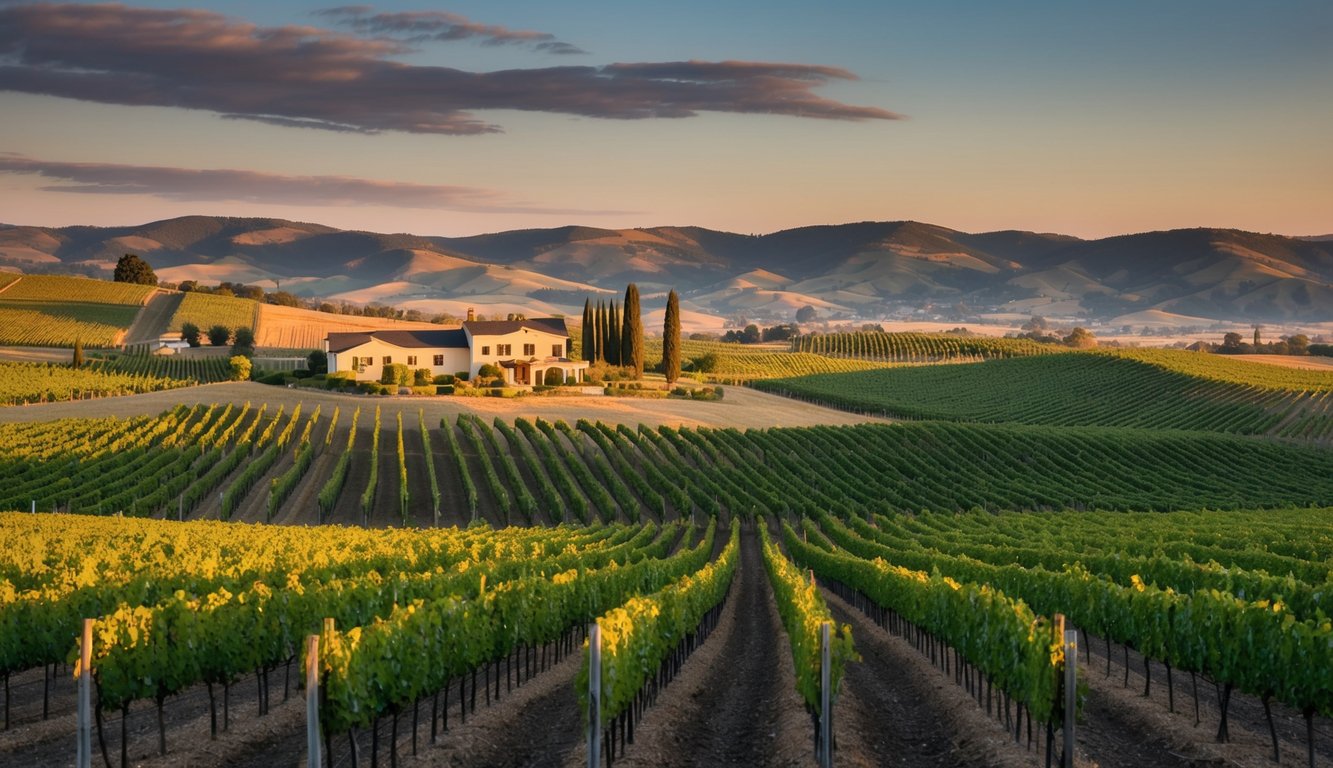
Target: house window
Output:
{"points": [[557, 350], [439, 360], [367, 361], [388, 360], [529, 350], [485, 350], [504, 349], [412, 360]]}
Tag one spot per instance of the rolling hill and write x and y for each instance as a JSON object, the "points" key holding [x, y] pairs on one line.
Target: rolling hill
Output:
{"points": [[864, 270]]}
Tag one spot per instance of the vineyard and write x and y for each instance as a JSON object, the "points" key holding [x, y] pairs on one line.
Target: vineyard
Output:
{"points": [[37, 310], [206, 310], [730, 363], [667, 597], [886, 347], [1153, 389], [540, 472]]}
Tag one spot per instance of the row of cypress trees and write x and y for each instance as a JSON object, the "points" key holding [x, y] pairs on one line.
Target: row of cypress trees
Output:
{"points": [[615, 336]]}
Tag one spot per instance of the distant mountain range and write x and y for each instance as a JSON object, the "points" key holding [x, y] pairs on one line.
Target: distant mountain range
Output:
{"points": [[867, 270]]}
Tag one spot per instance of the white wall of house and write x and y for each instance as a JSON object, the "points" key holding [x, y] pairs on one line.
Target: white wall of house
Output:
{"points": [[519, 345], [368, 360]]}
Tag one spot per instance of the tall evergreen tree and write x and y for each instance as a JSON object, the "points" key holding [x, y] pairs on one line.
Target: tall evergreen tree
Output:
{"points": [[78, 353], [671, 339], [599, 332], [613, 336], [631, 333], [588, 351]]}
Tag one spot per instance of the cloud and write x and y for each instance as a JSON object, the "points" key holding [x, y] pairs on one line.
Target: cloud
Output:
{"points": [[424, 26], [318, 78], [221, 185]]}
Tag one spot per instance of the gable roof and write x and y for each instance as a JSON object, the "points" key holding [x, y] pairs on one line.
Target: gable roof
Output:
{"points": [[454, 338], [554, 325]]}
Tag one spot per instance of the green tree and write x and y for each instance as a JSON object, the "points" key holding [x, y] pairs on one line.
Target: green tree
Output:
{"points": [[218, 335], [77, 362], [190, 334], [240, 368], [132, 269], [599, 331], [318, 362], [671, 339], [631, 333], [806, 314], [613, 337], [1081, 338], [589, 342], [243, 342]]}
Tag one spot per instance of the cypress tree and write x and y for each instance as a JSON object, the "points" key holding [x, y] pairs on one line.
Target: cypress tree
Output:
{"points": [[599, 330], [613, 336], [588, 351], [78, 353], [631, 333], [671, 339]]}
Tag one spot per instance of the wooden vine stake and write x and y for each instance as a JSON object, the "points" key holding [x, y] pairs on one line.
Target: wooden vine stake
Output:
{"points": [[594, 695], [85, 675], [1071, 687], [312, 702], [825, 696]]}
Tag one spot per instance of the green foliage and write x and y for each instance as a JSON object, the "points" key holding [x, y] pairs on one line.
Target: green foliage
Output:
{"points": [[205, 310], [671, 339], [916, 347], [396, 374], [240, 368], [190, 334], [1188, 391], [422, 377], [803, 615], [218, 335], [317, 362], [132, 269], [60, 323]]}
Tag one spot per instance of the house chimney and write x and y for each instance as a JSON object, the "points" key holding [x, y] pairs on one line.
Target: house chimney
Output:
{"points": [[471, 314]]}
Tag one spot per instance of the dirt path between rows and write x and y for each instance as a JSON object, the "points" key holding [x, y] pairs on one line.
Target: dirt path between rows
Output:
{"points": [[152, 320], [734, 702]]}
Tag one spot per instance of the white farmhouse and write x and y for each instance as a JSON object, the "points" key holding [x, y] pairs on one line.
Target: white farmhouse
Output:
{"points": [[526, 350]]}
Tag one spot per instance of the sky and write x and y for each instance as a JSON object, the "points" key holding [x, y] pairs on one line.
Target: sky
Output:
{"points": [[458, 118]]}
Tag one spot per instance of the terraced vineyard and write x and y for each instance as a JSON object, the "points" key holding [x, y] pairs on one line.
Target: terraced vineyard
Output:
{"points": [[1156, 389]]}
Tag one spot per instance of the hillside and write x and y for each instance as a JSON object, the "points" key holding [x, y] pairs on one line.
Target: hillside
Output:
{"points": [[867, 270]]}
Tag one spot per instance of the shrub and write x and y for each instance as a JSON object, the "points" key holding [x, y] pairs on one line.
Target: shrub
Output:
{"points": [[277, 379], [444, 378], [190, 333], [554, 377], [396, 374], [490, 371], [424, 389], [421, 377], [318, 361], [462, 375], [218, 335], [240, 368]]}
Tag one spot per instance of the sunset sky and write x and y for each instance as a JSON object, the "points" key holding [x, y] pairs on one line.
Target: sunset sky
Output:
{"points": [[465, 117]]}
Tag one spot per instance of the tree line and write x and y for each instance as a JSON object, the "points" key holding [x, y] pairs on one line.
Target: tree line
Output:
{"points": [[613, 334]]}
